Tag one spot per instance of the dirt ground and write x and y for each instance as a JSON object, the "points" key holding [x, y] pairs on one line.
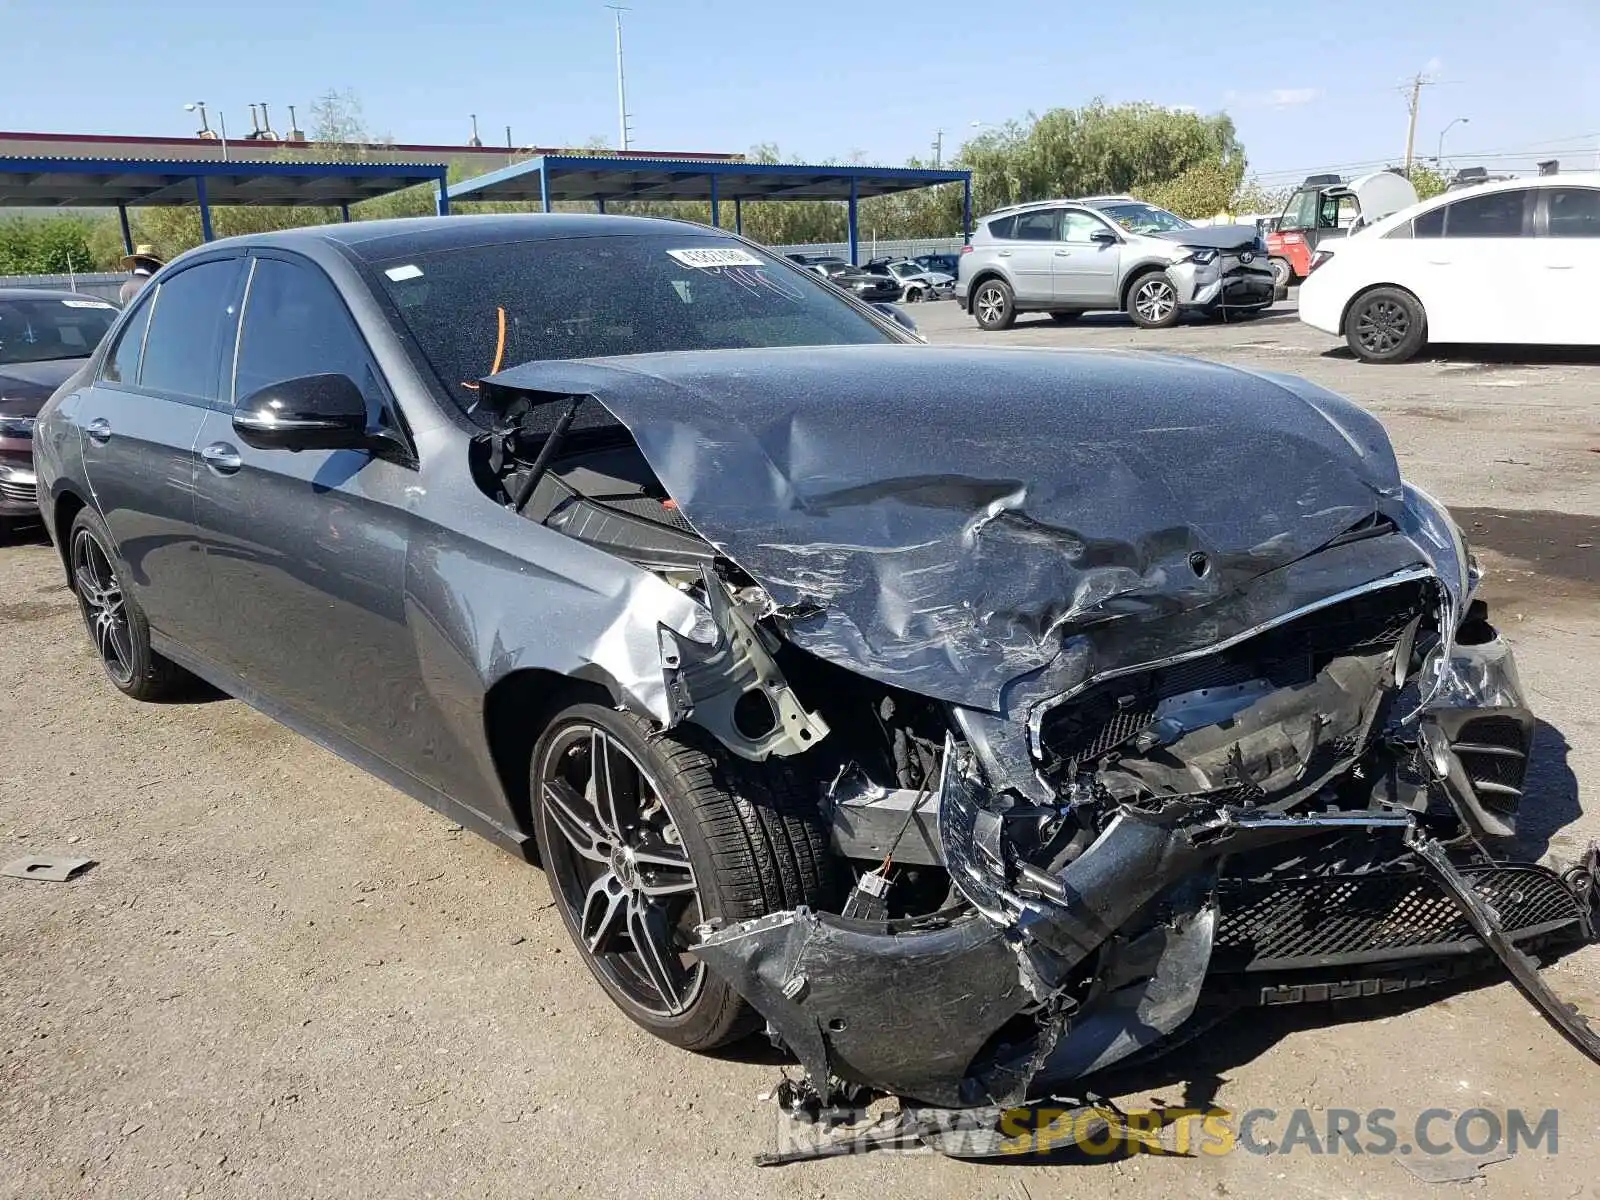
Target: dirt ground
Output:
{"points": [[285, 979]]}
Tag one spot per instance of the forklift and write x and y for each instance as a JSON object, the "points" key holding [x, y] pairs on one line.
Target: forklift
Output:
{"points": [[1326, 207]]}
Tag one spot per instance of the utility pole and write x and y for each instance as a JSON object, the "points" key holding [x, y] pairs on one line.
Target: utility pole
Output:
{"points": [[1414, 102], [622, 86], [938, 148]]}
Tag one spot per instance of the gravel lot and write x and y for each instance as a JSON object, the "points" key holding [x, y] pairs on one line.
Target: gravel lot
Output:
{"points": [[285, 979]]}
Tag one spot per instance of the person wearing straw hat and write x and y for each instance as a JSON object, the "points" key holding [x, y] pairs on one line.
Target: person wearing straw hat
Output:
{"points": [[143, 263]]}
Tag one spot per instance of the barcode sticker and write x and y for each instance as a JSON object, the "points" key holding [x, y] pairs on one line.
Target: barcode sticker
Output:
{"points": [[717, 257]]}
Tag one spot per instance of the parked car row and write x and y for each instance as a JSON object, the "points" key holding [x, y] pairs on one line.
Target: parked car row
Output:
{"points": [[884, 280]]}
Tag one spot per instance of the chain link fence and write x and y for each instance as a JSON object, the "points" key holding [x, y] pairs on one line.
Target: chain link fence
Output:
{"points": [[101, 286], [869, 248]]}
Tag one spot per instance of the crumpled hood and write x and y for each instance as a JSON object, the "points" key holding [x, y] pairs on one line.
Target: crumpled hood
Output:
{"points": [[938, 518], [1222, 237]]}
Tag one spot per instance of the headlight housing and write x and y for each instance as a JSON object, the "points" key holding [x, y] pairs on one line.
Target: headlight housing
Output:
{"points": [[1428, 523], [1200, 255], [16, 427]]}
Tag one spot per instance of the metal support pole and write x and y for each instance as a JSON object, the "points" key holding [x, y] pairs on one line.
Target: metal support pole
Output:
{"points": [[853, 230], [600, 204], [738, 216], [716, 211], [544, 187], [205, 208], [344, 213], [441, 196], [966, 210], [127, 234]]}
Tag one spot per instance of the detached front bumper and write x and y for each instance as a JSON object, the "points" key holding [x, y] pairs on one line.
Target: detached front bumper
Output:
{"points": [[1227, 283]]}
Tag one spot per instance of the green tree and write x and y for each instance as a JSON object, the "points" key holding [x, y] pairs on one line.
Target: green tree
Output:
{"points": [[1428, 181], [45, 246]]}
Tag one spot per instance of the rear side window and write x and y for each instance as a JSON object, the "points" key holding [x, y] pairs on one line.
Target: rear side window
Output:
{"points": [[122, 364], [1574, 212], [295, 324], [1001, 228], [191, 319], [1489, 215], [1039, 226]]}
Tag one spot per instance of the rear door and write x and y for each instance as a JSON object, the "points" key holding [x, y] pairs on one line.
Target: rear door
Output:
{"points": [[1086, 270], [306, 550], [138, 425], [1030, 255], [1474, 260], [1567, 266]]}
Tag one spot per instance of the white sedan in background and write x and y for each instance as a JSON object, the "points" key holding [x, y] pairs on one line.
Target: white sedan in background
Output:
{"points": [[1513, 262]]}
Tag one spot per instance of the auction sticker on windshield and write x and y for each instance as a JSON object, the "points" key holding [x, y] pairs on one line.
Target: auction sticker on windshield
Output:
{"points": [[717, 257]]}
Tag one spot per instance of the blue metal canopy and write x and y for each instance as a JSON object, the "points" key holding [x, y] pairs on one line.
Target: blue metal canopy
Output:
{"points": [[118, 183], [602, 178]]}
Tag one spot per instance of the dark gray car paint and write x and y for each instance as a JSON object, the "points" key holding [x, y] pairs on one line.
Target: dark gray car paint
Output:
{"points": [[906, 497]]}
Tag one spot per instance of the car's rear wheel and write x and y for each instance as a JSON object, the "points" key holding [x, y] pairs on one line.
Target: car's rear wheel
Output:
{"points": [[1153, 301], [1386, 325], [993, 305], [118, 628], [1064, 318], [644, 836]]}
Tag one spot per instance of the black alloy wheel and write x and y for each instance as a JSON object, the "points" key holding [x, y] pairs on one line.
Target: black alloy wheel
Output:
{"points": [[1386, 325]]}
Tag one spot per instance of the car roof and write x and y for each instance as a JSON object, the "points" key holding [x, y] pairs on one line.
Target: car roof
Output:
{"points": [[1412, 211], [396, 238], [27, 293]]}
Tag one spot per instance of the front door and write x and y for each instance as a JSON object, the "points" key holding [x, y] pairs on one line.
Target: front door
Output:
{"points": [[138, 424], [1086, 270], [307, 550], [1472, 261]]}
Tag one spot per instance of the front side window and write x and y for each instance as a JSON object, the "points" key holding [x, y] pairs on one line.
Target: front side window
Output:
{"points": [[192, 317], [51, 328], [1301, 211], [1574, 212], [1489, 215], [122, 364], [1080, 226], [477, 309], [294, 325]]}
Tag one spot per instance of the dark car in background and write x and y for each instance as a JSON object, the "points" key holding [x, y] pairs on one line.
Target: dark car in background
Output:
{"points": [[943, 264], [860, 282], [45, 337], [957, 714]]}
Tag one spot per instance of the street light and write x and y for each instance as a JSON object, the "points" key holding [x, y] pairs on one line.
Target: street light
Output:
{"points": [[1445, 130], [205, 126]]}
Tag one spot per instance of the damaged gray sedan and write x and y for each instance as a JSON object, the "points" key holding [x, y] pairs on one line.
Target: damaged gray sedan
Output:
{"points": [[964, 718]]}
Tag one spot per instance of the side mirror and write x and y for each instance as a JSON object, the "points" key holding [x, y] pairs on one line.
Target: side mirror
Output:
{"points": [[1105, 237], [313, 412]]}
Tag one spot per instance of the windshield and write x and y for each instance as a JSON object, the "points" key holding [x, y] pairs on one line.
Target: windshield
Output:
{"points": [[51, 327], [1144, 218], [476, 310]]}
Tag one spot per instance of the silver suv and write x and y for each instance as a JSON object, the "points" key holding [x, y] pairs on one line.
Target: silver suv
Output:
{"points": [[1067, 257]]}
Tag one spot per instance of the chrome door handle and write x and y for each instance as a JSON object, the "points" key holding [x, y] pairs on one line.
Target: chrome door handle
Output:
{"points": [[1439, 262], [221, 458], [1063, 253], [1004, 254], [1558, 266], [99, 431]]}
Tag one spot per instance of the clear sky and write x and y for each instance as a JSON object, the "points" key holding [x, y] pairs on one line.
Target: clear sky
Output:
{"points": [[1311, 86]]}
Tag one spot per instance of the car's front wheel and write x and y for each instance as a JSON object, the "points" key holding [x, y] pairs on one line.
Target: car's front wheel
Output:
{"points": [[1153, 301], [118, 628], [993, 305], [1385, 325], [646, 835]]}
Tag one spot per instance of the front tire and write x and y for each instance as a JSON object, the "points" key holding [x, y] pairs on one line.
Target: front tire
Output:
{"points": [[993, 305], [116, 625], [1153, 301], [1386, 325], [646, 835]]}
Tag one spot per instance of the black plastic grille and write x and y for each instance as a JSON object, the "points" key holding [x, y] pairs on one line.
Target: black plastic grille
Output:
{"points": [[1497, 768], [650, 509], [1341, 919], [24, 493]]}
